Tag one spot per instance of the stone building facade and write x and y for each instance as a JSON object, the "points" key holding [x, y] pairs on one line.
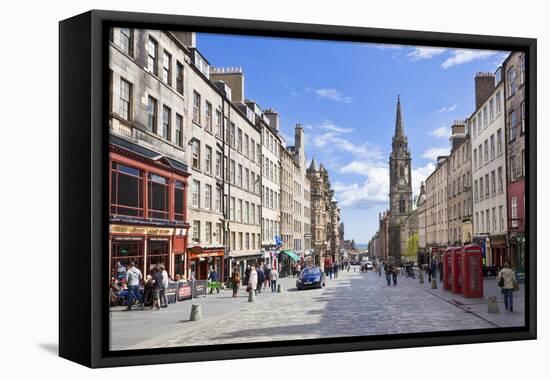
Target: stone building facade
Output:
{"points": [[287, 198], [320, 211], [489, 172], [459, 197], [422, 221], [242, 193], [514, 69], [149, 76], [271, 177], [301, 194], [437, 221]]}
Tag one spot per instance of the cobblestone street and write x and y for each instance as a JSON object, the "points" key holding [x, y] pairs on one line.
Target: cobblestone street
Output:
{"points": [[352, 305]]}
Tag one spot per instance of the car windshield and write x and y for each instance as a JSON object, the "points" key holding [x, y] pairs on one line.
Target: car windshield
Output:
{"points": [[310, 271]]}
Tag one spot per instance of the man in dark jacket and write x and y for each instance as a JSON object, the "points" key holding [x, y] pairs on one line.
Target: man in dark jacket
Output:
{"points": [[434, 269], [261, 278]]}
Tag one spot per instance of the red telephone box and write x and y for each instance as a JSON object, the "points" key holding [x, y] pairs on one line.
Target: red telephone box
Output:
{"points": [[456, 268], [447, 271], [472, 272]]}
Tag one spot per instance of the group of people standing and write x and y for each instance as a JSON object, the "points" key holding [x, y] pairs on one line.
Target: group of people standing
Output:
{"points": [[255, 279], [331, 271], [155, 286]]}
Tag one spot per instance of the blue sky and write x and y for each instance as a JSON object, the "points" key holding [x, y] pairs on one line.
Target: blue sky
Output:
{"points": [[345, 94]]}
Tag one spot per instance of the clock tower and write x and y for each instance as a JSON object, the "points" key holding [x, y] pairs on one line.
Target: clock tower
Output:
{"points": [[400, 186]]}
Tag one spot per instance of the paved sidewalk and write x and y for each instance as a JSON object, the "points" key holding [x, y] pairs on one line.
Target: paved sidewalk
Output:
{"points": [[156, 326], [478, 306]]}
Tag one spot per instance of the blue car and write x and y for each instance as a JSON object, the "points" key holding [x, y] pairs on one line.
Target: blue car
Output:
{"points": [[311, 277]]}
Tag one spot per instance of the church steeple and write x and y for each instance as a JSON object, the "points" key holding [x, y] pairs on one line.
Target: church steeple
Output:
{"points": [[399, 133]]}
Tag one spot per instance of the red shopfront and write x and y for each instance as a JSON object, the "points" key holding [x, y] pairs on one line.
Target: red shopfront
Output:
{"points": [[148, 209], [202, 259], [145, 246]]}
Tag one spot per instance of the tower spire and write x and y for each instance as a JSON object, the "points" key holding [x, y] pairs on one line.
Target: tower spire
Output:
{"points": [[399, 134]]}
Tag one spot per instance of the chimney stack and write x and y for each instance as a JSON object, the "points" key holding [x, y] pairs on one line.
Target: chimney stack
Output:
{"points": [[233, 77], [484, 86], [273, 118], [187, 38]]}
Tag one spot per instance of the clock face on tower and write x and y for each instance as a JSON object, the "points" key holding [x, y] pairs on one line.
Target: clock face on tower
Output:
{"points": [[401, 181]]}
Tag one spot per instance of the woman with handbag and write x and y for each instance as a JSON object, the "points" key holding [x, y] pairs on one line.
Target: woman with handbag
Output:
{"points": [[506, 279]]}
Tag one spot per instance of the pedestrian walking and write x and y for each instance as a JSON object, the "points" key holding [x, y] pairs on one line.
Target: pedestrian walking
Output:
{"points": [[388, 269], [157, 286], [433, 267], [252, 279], [235, 281], [273, 277], [214, 278], [261, 278], [246, 275], [331, 271], [267, 269], [164, 288], [429, 271], [506, 279], [394, 276], [133, 278], [440, 266], [335, 270]]}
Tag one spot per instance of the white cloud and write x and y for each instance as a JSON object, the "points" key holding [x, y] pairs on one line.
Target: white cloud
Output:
{"points": [[433, 152], [465, 56], [333, 95], [420, 53], [447, 109], [373, 191], [441, 132], [332, 141], [388, 47], [328, 125]]}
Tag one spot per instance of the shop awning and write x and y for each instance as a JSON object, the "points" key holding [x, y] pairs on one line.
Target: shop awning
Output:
{"points": [[291, 254]]}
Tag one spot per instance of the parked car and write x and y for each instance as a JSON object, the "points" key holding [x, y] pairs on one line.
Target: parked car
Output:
{"points": [[311, 277], [368, 265]]}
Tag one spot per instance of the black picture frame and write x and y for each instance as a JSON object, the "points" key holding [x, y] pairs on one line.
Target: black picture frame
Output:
{"points": [[83, 149]]}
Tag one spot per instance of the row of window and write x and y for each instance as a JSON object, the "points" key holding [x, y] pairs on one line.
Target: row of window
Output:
{"points": [[488, 188], [487, 114], [481, 154], [460, 184], [270, 228], [517, 171], [270, 198], [514, 126], [244, 240], [484, 223], [271, 170], [125, 111], [165, 73], [271, 143], [128, 188], [238, 240], [511, 75], [461, 156]]}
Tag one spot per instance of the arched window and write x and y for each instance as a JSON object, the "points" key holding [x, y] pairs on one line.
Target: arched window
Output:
{"points": [[401, 205]]}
